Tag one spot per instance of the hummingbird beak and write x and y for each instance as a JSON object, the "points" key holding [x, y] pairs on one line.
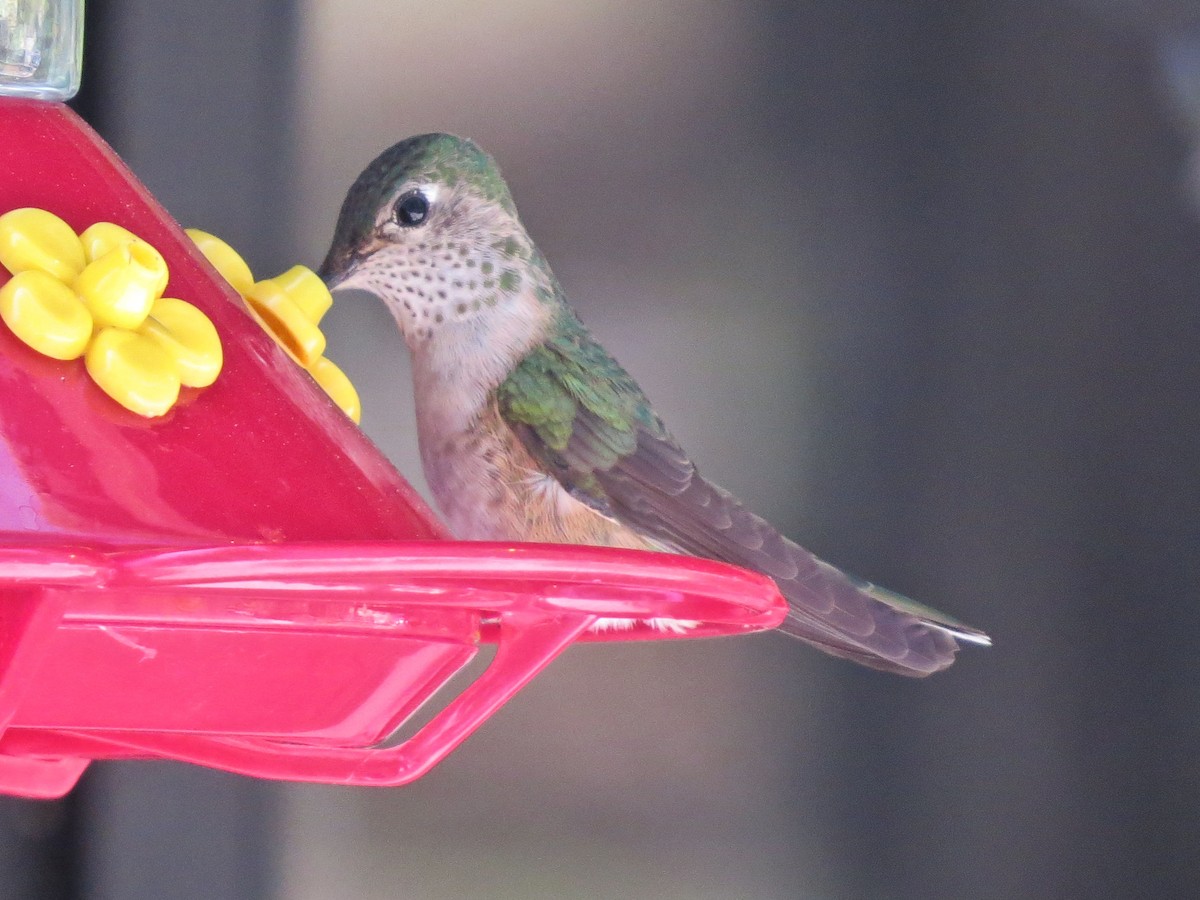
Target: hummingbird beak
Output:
{"points": [[339, 265]]}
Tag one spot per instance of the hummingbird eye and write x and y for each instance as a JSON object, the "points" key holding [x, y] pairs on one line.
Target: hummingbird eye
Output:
{"points": [[411, 209]]}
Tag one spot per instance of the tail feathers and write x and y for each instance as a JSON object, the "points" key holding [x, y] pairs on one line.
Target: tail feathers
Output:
{"points": [[926, 614], [870, 625], [658, 492]]}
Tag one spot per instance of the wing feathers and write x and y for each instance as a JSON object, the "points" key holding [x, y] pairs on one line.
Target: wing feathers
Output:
{"points": [[585, 419]]}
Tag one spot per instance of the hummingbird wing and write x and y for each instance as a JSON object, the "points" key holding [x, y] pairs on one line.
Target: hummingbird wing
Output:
{"points": [[586, 420]]}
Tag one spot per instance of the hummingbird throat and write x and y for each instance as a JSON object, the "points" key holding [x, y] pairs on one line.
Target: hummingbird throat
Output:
{"points": [[430, 283]]}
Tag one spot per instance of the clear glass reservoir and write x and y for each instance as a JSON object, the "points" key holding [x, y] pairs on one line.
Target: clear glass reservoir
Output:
{"points": [[41, 48]]}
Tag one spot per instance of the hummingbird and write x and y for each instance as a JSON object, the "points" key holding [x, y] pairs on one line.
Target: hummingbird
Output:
{"points": [[529, 430]]}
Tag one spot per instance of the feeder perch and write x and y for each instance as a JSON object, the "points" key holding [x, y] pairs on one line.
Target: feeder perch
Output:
{"points": [[245, 582]]}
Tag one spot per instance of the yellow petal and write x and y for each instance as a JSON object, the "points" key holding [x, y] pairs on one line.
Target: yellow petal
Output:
{"points": [[188, 337], [134, 370], [45, 314], [36, 239], [339, 388], [224, 259]]}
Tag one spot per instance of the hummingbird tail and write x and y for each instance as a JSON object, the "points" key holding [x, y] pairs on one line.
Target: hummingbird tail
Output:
{"points": [[860, 621], [659, 492]]}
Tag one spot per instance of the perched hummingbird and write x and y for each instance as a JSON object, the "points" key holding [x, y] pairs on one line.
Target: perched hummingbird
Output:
{"points": [[530, 431]]}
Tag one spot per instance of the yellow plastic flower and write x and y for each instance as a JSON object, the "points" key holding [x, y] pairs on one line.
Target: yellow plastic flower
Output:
{"points": [[289, 307], [99, 295]]}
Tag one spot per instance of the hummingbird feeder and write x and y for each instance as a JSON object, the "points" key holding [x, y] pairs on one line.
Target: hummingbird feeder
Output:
{"points": [[243, 581]]}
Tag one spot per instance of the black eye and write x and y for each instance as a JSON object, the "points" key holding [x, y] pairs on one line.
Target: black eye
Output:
{"points": [[411, 209]]}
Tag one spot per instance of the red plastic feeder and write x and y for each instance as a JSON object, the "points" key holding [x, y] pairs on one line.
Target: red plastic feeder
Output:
{"points": [[246, 582]]}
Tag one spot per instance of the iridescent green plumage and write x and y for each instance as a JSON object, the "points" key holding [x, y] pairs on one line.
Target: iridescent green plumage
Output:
{"points": [[576, 409]]}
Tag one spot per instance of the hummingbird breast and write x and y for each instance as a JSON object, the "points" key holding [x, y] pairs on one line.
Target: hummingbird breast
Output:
{"points": [[488, 487]]}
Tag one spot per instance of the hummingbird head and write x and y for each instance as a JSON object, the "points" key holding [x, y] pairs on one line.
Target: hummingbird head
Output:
{"points": [[430, 228]]}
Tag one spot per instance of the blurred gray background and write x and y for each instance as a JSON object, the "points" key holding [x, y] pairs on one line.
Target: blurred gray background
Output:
{"points": [[920, 281]]}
